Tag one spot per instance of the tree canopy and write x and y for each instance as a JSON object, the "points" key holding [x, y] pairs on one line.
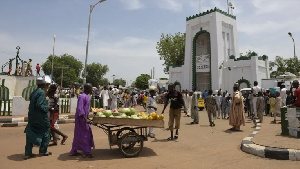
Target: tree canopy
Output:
{"points": [[171, 49], [104, 82], [279, 66], [141, 81], [121, 82], [70, 75], [95, 73]]}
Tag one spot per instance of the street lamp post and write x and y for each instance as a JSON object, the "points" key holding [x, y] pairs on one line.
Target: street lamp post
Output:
{"points": [[53, 58], [294, 43], [113, 79], [88, 39], [295, 57]]}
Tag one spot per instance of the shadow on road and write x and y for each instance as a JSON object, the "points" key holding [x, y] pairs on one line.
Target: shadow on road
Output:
{"points": [[230, 131], [204, 126], [16, 157], [160, 140], [106, 154]]}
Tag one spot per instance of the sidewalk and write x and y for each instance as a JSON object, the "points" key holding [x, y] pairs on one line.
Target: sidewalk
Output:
{"points": [[267, 142], [15, 121]]}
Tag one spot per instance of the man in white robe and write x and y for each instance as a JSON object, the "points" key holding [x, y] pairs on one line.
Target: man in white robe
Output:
{"points": [[104, 96], [194, 107], [114, 99], [283, 94], [255, 91]]}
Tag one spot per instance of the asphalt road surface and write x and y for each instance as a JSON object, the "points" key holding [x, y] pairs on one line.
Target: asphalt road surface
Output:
{"points": [[198, 146]]}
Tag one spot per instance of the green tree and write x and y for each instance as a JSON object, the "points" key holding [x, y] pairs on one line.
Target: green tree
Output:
{"points": [[141, 81], [70, 75], [278, 67], [292, 66], [171, 49], [104, 82], [95, 73], [121, 82], [133, 84]]}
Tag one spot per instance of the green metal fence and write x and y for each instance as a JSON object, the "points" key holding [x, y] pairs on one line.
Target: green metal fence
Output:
{"points": [[65, 106], [96, 103], [5, 102], [5, 107]]}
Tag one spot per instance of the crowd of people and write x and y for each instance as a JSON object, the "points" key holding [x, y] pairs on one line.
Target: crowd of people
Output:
{"points": [[42, 116], [262, 102]]}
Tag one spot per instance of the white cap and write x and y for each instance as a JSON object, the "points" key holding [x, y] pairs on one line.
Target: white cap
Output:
{"points": [[40, 80], [152, 88]]}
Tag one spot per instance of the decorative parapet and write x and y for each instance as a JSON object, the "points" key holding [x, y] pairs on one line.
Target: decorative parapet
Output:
{"points": [[232, 57], [211, 11], [264, 57], [174, 66], [29, 89]]}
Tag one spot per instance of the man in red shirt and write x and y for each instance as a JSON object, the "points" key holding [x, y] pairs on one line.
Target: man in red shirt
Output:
{"points": [[296, 93], [38, 68]]}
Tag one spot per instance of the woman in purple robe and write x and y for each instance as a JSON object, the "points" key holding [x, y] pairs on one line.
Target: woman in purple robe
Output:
{"points": [[83, 136]]}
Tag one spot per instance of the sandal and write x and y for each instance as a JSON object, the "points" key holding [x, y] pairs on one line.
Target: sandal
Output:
{"points": [[170, 138], [53, 144], [176, 137], [64, 140], [28, 157], [87, 156], [76, 154], [46, 154]]}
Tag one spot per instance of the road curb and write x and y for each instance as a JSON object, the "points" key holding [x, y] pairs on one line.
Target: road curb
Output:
{"points": [[250, 147], [17, 124]]}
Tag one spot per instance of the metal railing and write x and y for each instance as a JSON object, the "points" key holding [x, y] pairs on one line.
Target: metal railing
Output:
{"points": [[65, 106], [5, 102], [5, 107], [96, 103]]}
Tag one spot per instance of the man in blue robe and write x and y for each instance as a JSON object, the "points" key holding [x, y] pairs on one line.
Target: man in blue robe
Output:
{"points": [[38, 127]]}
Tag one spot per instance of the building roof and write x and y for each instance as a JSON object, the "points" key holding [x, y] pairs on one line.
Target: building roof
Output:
{"points": [[211, 11]]}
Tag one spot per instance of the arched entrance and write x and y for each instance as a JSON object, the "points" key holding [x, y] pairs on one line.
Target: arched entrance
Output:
{"points": [[177, 86], [244, 83], [202, 61]]}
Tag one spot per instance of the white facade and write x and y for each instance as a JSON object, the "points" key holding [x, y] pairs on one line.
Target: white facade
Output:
{"points": [[16, 84], [211, 38]]}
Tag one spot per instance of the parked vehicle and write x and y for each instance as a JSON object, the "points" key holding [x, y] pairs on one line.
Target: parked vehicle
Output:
{"points": [[201, 104]]}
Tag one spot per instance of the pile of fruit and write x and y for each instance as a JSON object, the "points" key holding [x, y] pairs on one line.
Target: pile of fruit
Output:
{"points": [[127, 113]]}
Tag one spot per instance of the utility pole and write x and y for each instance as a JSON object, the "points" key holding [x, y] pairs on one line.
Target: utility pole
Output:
{"points": [[153, 73], [62, 74], [227, 6]]}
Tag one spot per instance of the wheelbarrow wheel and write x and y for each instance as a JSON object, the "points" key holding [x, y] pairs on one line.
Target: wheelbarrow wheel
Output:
{"points": [[131, 144], [124, 131]]}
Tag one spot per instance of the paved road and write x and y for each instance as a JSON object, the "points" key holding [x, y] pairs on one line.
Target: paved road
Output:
{"points": [[198, 146]]}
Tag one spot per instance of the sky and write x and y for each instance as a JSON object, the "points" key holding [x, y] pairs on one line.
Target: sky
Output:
{"points": [[124, 33]]}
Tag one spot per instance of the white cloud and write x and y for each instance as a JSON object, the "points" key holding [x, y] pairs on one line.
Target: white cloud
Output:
{"points": [[172, 5], [127, 58], [132, 4], [125, 47], [265, 6], [268, 27]]}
